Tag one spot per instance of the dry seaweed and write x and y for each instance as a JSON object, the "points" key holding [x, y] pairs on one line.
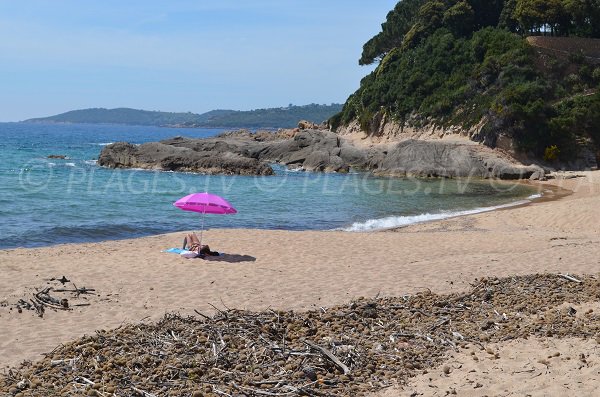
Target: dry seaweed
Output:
{"points": [[347, 350]]}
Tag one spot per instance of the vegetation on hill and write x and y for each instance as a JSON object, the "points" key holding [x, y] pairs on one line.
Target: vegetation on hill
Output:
{"points": [[118, 116], [285, 117], [461, 62]]}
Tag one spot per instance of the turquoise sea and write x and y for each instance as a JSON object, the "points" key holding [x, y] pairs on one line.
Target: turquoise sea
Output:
{"points": [[47, 201]]}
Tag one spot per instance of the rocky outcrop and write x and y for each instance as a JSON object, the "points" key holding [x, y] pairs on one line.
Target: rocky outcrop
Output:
{"points": [[313, 150], [450, 160], [214, 158], [316, 150], [307, 125], [415, 127]]}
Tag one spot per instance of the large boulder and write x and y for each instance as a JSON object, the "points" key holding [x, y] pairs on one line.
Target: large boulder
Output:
{"points": [[447, 159], [307, 125], [118, 155], [310, 150]]}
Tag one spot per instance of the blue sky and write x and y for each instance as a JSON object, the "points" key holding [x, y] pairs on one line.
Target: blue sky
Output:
{"points": [[177, 55]]}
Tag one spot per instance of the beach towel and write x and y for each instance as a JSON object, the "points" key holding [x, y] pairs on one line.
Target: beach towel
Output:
{"points": [[175, 250], [189, 254]]}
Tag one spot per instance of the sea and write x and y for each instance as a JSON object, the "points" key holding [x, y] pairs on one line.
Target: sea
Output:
{"points": [[46, 201]]}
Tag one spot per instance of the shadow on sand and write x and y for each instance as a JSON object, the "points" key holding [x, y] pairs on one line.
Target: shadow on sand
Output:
{"points": [[232, 258]]}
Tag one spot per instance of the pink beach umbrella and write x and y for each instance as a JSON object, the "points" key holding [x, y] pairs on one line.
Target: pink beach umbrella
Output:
{"points": [[205, 203]]}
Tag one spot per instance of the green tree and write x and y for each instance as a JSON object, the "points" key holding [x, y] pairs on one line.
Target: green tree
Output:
{"points": [[430, 17], [459, 18], [584, 17], [486, 12], [507, 16], [398, 22], [536, 16]]}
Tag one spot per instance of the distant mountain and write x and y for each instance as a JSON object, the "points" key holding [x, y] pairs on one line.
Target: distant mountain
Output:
{"points": [[117, 116], [284, 117]]}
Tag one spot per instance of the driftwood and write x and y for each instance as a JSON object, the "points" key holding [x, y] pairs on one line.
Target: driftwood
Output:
{"points": [[144, 393], [347, 350], [76, 290], [44, 298], [330, 356], [69, 361], [570, 278]]}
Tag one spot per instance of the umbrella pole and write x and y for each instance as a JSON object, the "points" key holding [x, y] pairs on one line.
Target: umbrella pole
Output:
{"points": [[202, 229]]}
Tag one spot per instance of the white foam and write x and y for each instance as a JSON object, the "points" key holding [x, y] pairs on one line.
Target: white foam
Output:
{"points": [[92, 162], [104, 143], [534, 196], [400, 221], [70, 164], [51, 164]]}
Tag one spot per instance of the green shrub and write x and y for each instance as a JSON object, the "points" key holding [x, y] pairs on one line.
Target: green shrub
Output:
{"points": [[551, 153], [596, 75]]}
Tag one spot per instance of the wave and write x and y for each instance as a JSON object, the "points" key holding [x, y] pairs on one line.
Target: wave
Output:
{"points": [[104, 143], [534, 196], [391, 222], [70, 164], [91, 162]]}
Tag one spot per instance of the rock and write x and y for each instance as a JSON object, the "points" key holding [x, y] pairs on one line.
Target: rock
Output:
{"points": [[316, 161], [57, 156], [118, 155], [245, 153], [307, 125], [538, 175], [311, 150], [211, 158], [449, 160], [353, 155]]}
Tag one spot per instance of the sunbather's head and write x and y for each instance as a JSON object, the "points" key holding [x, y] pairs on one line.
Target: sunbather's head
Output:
{"points": [[205, 250]]}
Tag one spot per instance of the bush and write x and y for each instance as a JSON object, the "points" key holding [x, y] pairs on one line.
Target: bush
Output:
{"points": [[551, 153], [596, 75]]}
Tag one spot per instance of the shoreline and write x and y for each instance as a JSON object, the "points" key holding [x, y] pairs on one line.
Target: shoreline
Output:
{"points": [[557, 193], [293, 270]]}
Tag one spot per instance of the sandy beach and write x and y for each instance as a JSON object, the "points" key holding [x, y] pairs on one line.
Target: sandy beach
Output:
{"points": [[134, 281]]}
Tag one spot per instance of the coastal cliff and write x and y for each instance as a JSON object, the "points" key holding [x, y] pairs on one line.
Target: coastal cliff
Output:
{"points": [[483, 71]]}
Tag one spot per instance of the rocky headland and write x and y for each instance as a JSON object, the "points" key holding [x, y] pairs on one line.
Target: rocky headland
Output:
{"points": [[246, 153]]}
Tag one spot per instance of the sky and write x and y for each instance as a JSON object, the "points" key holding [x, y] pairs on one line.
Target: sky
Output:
{"points": [[181, 55]]}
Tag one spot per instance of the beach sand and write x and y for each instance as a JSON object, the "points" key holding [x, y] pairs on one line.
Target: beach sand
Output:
{"points": [[135, 281]]}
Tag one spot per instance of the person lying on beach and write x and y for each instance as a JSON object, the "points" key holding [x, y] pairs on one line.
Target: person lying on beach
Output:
{"points": [[192, 243]]}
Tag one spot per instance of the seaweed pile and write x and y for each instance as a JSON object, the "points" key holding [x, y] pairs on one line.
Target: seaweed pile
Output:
{"points": [[348, 350]]}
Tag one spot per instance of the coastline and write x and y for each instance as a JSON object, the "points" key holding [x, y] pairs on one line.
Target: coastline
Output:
{"points": [[263, 269], [545, 193]]}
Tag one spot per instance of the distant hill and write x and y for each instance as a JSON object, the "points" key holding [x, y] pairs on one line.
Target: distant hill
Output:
{"points": [[284, 117]]}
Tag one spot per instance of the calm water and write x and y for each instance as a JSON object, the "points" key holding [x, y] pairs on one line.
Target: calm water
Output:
{"points": [[49, 201]]}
